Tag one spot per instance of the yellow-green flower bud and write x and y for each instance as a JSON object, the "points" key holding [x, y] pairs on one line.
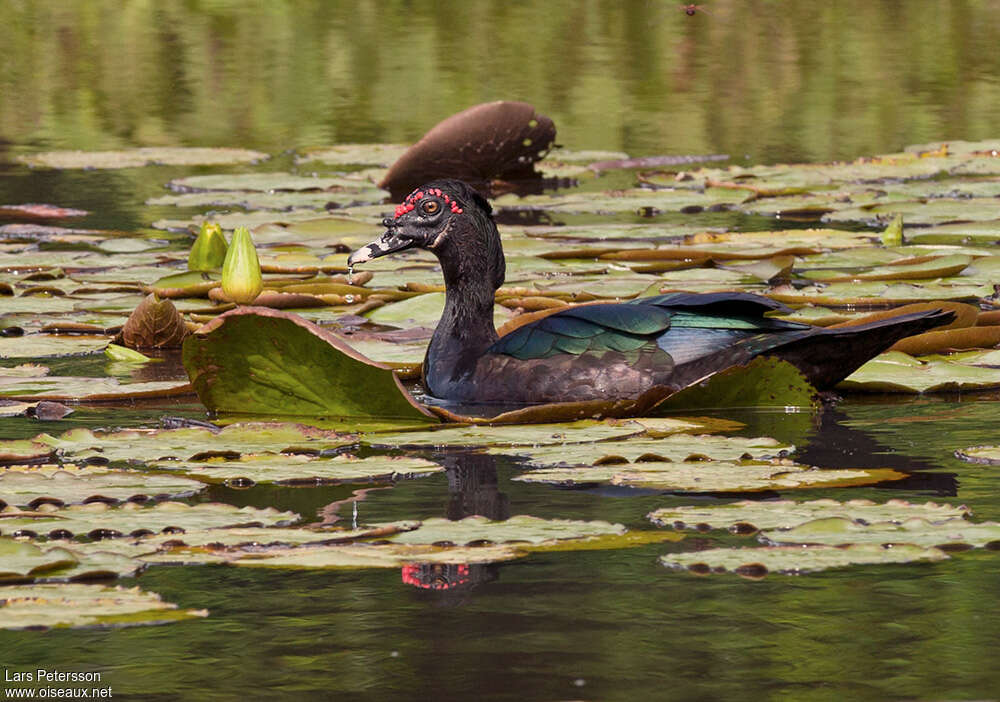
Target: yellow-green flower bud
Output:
{"points": [[209, 249], [241, 278], [893, 234]]}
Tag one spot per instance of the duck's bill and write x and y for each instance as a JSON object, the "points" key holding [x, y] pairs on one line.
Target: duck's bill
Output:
{"points": [[388, 243]]}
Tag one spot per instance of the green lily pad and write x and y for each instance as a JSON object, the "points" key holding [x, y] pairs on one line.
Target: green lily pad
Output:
{"points": [[282, 200], [78, 606], [752, 515], [133, 158], [23, 487], [264, 361], [633, 200], [763, 382], [710, 476], [354, 154], [987, 455], [921, 212], [306, 470], [794, 560], [87, 389], [952, 534], [129, 518], [261, 182], [191, 443], [877, 294], [515, 530], [50, 346], [513, 435], [26, 562], [677, 448], [940, 267], [897, 372], [390, 555]]}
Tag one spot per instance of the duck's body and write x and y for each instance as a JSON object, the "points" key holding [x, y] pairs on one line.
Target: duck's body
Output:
{"points": [[599, 351]]}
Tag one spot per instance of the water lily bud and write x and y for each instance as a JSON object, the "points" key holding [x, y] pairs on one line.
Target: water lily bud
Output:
{"points": [[209, 249], [241, 278], [893, 234]]}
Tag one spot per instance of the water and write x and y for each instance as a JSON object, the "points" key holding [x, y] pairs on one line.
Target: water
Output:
{"points": [[761, 81]]}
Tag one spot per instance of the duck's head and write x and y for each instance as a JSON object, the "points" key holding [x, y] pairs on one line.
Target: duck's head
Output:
{"points": [[451, 220]]}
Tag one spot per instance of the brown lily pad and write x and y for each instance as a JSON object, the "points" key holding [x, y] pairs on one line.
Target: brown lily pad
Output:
{"points": [[155, 324]]}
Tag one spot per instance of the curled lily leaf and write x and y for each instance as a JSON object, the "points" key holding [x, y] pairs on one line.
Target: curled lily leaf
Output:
{"points": [[209, 250], [241, 277]]}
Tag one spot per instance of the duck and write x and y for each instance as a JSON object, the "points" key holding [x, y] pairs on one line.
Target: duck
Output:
{"points": [[598, 351]]}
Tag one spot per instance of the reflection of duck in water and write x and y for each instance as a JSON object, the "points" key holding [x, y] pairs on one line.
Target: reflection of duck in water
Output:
{"points": [[473, 488]]}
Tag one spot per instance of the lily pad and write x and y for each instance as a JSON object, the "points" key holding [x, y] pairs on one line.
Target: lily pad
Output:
{"points": [[87, 389], [26, 562], [130, 518], [306, 470], [25, 486], [752, 515], [897, 372], [261, 182], [677, 448], [356, 154], [50, 346], [353, 556], [78, 606], [132, 158], [515, 530], [585, 431], [763, 382], [140, 446], [267, 362], [710, 476], [952, 534], [793, 560]]}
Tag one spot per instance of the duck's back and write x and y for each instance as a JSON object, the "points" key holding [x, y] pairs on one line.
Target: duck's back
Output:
{"points": [[616, 351]]}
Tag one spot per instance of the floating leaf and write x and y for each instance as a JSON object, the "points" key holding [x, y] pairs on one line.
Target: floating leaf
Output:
{"points": [[154, 324], [24, 562], [531, 435], [935, 267], [952, 534], [49, 346], [358, 154], [24, 487], [131, 518], [132, 158], [307, 470], [763, 382], [899, 373], [267, 362], [376, 556], [710, 476], [752, 515], [515, 530], [86, 389], [793, 560], [676, 448], [79, 606]]}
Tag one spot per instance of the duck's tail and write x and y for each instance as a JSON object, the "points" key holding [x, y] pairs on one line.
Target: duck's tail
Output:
{"points": [[827, 356]]}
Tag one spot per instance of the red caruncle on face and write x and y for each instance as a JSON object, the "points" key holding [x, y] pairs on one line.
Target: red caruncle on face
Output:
{"points": [[417, 195]]}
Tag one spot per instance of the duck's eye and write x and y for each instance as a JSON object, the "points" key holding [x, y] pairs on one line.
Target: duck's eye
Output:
{"points": [[431, 207]]}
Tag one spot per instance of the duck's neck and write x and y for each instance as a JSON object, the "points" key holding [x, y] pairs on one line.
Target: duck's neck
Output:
{"points": [[466, 328]]}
